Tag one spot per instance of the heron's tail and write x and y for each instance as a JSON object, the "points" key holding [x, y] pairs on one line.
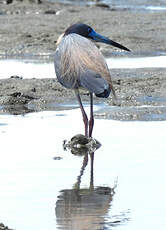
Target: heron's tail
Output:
{"points": [[104, 94]]}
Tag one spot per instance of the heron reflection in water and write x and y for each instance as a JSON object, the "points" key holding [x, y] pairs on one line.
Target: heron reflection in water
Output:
{"points": [[80, 64], [86, 206], [80, 207]]}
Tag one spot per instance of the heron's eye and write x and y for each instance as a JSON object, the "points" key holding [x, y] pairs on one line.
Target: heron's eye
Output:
{"points": [[89, 30]]}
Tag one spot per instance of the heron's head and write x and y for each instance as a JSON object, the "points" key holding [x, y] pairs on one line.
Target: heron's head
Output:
{"points": [[86, 31]]}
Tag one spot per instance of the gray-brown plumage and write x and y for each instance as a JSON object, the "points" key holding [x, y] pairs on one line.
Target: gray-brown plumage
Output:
{"points": [[80, 64]]}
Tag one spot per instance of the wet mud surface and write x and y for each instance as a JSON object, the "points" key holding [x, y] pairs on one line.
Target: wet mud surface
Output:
{"points": [[27, 29], [141, 95], [32, 30]]}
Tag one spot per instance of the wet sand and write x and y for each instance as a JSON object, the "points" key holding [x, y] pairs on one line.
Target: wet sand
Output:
{"points": [[32, 29]]}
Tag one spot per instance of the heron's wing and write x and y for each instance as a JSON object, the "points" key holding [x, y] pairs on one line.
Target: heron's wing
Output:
{"points": [[64, 78], [94, 83]]}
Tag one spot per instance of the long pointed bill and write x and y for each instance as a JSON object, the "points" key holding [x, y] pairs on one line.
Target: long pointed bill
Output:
{"points": [[99, 38]]}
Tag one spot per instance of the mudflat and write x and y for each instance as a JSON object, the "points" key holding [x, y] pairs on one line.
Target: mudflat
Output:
{"points": [[30, 29]]}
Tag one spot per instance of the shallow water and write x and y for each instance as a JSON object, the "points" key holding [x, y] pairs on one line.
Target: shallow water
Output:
{"points": [[137, 62], [127, 188], [143, 5], [29, 68]]}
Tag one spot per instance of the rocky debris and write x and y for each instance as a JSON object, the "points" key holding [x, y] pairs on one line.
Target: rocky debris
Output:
{"points": [[3, 227], [81, 145]]}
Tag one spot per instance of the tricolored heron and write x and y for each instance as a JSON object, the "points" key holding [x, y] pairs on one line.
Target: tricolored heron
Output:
{"points": [[80, 64]]}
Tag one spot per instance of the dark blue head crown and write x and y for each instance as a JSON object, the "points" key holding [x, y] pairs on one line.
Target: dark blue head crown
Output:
{"points": [[79, 28]]}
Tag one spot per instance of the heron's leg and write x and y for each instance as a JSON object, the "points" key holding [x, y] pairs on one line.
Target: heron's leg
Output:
{"points": [[85, 118], [91, 121], [91, 172]]}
